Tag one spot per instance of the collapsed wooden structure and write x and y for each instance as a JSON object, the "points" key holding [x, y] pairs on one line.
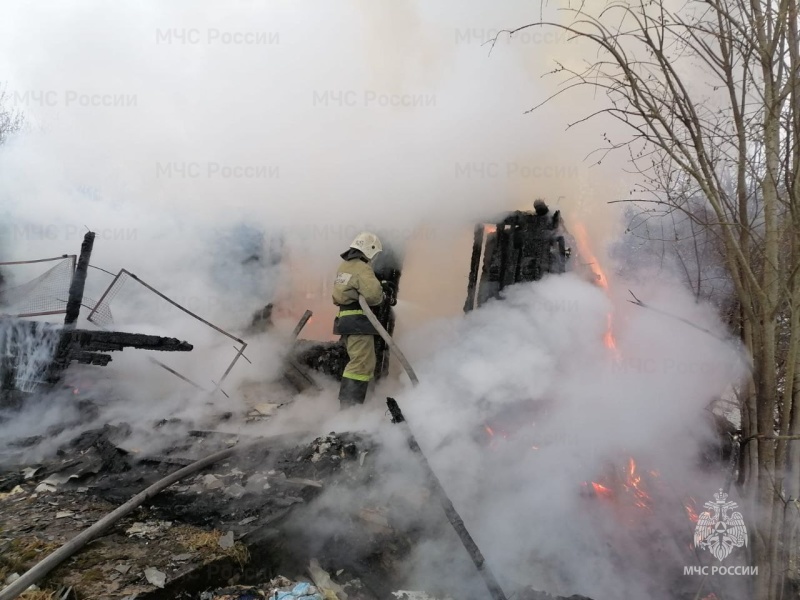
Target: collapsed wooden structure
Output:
{"points": [[33, 353], [521, 246]]}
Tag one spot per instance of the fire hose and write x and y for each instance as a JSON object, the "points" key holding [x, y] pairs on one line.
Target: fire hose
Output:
{"points": [[42, 568], [450, 512], [36, 573], [388, 339]]}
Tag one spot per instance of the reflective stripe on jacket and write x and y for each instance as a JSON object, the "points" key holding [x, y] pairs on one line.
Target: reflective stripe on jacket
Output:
{"points": [[355, 277]]}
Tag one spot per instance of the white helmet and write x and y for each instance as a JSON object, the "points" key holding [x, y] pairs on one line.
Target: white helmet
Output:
{"points": [[368, 243]]}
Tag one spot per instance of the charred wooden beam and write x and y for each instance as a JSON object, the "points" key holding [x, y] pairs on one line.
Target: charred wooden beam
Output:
{"points": [[74, 301], [110, 341], [474, 265], [90, 358], [78, 284]]}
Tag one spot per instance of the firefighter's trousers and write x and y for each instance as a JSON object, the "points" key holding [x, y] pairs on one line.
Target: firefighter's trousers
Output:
{"points": [[359, 370], [361, 352]]}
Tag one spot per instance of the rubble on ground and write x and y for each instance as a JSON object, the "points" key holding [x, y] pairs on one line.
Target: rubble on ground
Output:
{"points": [[225, 532]]}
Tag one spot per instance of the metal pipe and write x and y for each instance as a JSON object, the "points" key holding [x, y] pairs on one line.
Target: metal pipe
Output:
{"points": [[186, 310], [30, 262], [495, 591]]}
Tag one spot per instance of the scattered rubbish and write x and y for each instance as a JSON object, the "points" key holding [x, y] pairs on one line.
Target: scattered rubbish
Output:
{"points": [[29, 472], [376, 518], [406, 595], [123, 569], [64, 514], [324, 582], [265, 409], [149, 530], [181, 557], [57, 479], [235, 491], [212, 483], [301, 591], [226, 541], [234, 593], [17, 490], [155, 577], [45, 487], [304, 482]]}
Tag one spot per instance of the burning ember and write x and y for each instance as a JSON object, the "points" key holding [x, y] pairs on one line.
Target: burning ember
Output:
{"points": [[633, 483], [601, 490], [628, 488], [691, 511], [493, 436], [582, 240]]}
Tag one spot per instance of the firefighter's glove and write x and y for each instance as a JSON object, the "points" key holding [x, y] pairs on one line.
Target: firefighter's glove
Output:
{"points": [[389, 292]]}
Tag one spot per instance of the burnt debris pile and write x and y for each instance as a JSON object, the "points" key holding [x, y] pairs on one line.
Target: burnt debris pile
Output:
{"points": [[34, 354], [280, 516]]}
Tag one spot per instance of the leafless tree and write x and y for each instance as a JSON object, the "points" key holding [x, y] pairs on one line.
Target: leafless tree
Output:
{"points": [[10, 119], [708, 92]]}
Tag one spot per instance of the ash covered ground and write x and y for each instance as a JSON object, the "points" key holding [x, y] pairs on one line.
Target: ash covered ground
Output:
{"points": [[245, 527]]}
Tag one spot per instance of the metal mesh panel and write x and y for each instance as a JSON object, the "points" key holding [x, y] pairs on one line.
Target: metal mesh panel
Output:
{"points": [[101, 313], [44, 295]]}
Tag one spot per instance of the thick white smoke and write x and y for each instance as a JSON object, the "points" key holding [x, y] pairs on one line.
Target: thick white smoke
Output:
{"points": [[188, 133]]}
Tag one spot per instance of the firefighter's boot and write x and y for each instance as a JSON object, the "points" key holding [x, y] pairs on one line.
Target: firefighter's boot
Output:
{"points": [[352, 392]]}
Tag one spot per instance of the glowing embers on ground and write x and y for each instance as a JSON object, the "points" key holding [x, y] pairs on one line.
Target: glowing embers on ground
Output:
{"points": [[585, 251], [691, 509], [494, 436], [626, 487]]}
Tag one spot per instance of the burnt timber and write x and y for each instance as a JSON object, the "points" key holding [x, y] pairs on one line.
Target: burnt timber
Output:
{"points": [[522, 246], [72, 345]]}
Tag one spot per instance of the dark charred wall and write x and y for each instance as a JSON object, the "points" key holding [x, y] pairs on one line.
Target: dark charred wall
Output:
{"points": [[524, 246]]}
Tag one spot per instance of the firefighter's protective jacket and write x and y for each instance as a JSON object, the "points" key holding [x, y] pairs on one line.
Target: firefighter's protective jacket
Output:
{"points": [[355, 277]]}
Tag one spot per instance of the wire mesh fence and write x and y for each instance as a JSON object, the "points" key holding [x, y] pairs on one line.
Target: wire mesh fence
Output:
{"points": [[45, 294]]}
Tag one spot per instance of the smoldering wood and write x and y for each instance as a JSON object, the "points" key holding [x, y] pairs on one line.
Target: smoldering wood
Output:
{"points": [[301, 323], [79, 281], [474, 265], [109, 341], [74, 301], [523, 247], [453, 517], [75, 345]]}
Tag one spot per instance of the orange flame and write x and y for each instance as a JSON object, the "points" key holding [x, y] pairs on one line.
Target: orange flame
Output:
{"points": [[633, 482], [487, 229], [601, 490], [690, 510], [582, 239]]}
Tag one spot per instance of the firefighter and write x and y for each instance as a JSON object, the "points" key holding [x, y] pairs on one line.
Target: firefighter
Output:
{"points": [[355, 276]]}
